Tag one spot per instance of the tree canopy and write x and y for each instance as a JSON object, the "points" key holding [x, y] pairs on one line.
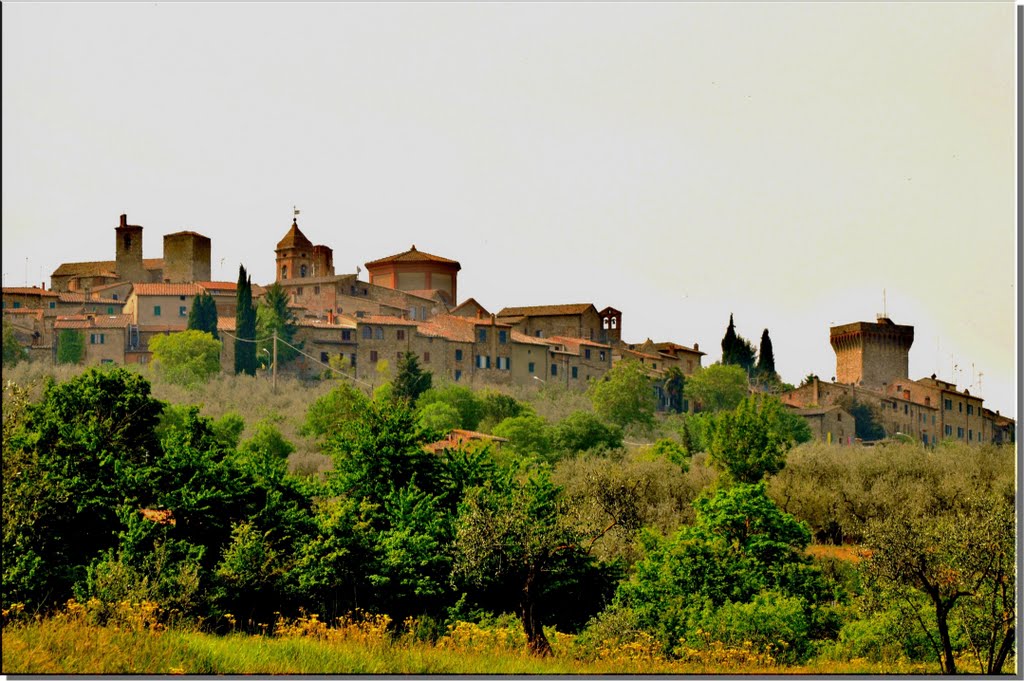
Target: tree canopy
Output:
{"points": [[625, 395], [273, 317], [203, 315], [717, 387], [245, 326], [187, 357]]}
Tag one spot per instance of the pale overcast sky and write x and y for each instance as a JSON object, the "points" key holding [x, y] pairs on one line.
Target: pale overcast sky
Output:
{"points": [[679, 162]]}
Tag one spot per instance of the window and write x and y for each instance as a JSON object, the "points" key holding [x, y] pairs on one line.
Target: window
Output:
{"points": [[316, 290], [423, 312], [346, 334], [483, 361], [970, 435], [323, 357], [182, 311], [412, 313], [481, 335], [302, 271], [970, 409], [54, 305], [554, 369], [948, 405], [960, 433], [504, 363], [586, 353], [575, 372], [106, 361], [458, 374], [960, 406], [373, 355], [654, 365], [426, 358], [284, 271], [600, 355], [400, 334], [156, 310], [378, 333], [16, 304], [298, 291], [530, 367], [906, 408], [503, 336], [110, 310], [352, 359], [949, 431], [367, 332], [458, 355], [540, 334]]}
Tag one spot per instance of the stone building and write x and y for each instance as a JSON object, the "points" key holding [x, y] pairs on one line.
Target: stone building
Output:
{"points": [[577, 361], [830, 425], [417, 272], [871, 355], [298, 258], [186, 258], [107, 338], [579, 320]]}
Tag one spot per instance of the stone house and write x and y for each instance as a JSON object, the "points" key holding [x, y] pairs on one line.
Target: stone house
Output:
{"points": [[577, 361], [106, 337], [327, 342], [830, 425], [580, 320], [960, 415]]}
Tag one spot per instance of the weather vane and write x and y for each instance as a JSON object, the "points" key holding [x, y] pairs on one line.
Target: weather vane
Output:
{"points": [[295, 210]]}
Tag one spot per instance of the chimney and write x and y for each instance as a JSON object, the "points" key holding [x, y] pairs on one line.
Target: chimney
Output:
{"points": [[815, 390], [124, 219], [696, 347]]}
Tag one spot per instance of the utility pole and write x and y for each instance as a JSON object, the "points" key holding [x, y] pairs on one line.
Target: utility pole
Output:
{"points": [[273, 366]]}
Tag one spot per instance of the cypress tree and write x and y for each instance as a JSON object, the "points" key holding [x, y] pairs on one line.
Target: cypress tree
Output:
{"points": [[765, 356], [729, 343], [203, 315], [245, 326]]}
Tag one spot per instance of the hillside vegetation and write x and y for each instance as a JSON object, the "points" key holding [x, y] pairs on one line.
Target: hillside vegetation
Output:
{"points": [[228, 528]]}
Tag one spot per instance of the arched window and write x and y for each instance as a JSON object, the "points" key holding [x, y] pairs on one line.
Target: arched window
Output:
{"points": [[614, 322], [127, 241], [378, 333], [302, 271], [367, 332], [284, 271], [605, 323]]}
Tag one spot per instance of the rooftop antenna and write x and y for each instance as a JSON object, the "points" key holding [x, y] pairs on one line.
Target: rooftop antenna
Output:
{"points": [[885, 310]]}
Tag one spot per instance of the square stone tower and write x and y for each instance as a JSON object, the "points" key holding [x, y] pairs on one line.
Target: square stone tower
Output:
{"points": [[872, 355], [186, 257], [129, 252]]}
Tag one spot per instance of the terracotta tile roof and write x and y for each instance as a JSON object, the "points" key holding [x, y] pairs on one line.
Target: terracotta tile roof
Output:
{"points": [[115, 284], [570, 341], [413, 255], [187, 232], [294, 239], [218, 286], [459, 329], [518, 337], [79, 321], [384, 320], [457, 437], [339, 323], [546, 310], [37, 311], [669, 347], [155, 289], [101, 268], [470, 303], [636, 353], [28, 291], [76, 297], [432, 294], [225, 323]]}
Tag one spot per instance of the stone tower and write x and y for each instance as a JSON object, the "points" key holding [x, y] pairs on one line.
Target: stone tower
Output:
{"points": [[872, 355], [611, 325], [186, 257], [129, 252], [298, 258]]}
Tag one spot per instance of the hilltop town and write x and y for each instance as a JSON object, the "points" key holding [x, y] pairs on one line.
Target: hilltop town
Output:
{"points": [[410, 303]]}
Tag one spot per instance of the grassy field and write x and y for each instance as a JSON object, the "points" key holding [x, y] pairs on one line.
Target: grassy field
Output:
{"points": [[69, 643]]}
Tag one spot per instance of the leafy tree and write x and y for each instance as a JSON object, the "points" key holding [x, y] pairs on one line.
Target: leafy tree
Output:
{"points": [[496, 407], [439, 416], [70, 346], [245, 326], [751, 442], [963, 554], [469, 406], [510, 541], [328, 414], [867, 421], [717, 387], [203, 315], [411, 381], [527, 435], [70, 463], [13, 352], [740, 545], [186, 358], [808, 379], [582, 431], [673, 384], [273, 317], [624, 396]]}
